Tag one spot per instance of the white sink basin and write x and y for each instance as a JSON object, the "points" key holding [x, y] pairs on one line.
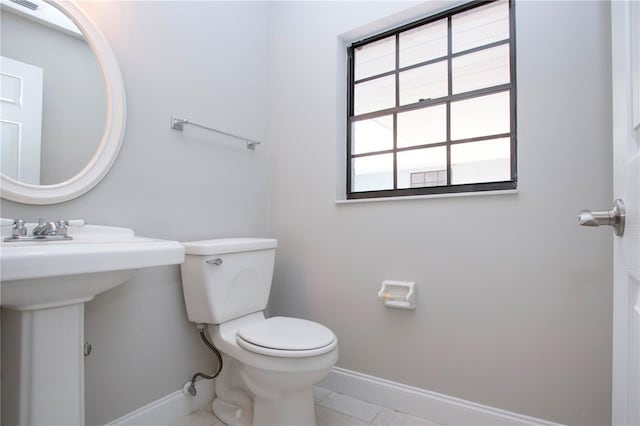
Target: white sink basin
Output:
{"points": [[45, 285], [38, 274]]}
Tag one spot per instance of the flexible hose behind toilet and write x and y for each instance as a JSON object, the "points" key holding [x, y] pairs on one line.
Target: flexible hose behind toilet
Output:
{"points": [[192, 388]]}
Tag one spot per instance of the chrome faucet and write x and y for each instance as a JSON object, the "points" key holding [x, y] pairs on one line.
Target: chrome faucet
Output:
{"points": [[49, 229], [42, 231]]}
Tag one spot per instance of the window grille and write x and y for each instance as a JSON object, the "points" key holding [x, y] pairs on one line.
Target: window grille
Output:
{"points": [[432, 107]]}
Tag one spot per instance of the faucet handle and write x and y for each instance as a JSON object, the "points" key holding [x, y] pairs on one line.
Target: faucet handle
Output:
{"points": [[62, 227], [18, 228]]}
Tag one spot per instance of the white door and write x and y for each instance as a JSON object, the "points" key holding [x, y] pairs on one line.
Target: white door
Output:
{"points": [[625, 26], [20, 120]]}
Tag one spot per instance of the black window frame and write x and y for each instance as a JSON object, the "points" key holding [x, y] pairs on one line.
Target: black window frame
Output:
{"points": [[446, 100]]}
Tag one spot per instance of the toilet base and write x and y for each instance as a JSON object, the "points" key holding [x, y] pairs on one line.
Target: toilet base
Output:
{"points": [[232, 415], [296, 409], [233, 403], [247, 396], [292, 409]]}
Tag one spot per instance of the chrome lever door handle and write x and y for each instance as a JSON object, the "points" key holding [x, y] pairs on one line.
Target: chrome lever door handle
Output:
{"points": [[614, 217]]}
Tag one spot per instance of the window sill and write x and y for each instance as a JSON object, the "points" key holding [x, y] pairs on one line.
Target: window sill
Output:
{"points": [[423, 197]]}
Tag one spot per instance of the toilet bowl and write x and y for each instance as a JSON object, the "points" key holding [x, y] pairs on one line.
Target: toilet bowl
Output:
{"points": [[270, 364], [279, 380]]}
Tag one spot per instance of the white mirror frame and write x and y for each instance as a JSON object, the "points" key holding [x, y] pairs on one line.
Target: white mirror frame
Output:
{"points": [[115, 121]]}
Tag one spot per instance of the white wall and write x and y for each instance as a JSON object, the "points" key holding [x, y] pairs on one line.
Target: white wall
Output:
{"points": [[205, 61], [514, 298]]}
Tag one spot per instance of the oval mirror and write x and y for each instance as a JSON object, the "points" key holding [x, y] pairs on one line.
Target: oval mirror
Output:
{"points": [[62, 98]]}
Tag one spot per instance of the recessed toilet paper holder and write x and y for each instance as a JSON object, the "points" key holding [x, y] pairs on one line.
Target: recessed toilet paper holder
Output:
{"points": [[398, 294]]}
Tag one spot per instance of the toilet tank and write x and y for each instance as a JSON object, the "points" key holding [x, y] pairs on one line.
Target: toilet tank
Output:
{"points": [[227, 278]]}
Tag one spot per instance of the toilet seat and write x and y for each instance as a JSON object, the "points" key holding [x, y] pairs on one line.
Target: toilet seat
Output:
{"points": [[286, 337]]}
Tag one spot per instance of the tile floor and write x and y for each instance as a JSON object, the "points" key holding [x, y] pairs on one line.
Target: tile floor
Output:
{"points": [[332, 409]]}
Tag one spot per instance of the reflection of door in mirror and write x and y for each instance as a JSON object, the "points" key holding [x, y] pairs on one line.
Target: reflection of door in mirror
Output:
{"points": [[74, 100], [21, 120]]}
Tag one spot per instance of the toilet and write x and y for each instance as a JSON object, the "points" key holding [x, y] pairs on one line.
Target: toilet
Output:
{"points": [[270, 364]]}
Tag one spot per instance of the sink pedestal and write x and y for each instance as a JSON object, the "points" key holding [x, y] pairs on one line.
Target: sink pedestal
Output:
{"points": [[44, 286], [43, 366]]}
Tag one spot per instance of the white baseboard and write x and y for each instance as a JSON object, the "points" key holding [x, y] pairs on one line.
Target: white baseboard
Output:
{"points": [[436, 407], [439, 408], [168, 410]]}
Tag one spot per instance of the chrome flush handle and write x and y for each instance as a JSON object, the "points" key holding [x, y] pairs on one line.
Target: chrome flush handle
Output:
{"points": [[614, 217], [217, 261]]}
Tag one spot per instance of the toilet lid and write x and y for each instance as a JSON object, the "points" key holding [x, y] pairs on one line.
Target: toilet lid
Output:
{"points": [[282, 334]]}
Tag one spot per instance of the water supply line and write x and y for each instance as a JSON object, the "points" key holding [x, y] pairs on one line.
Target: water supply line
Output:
{"points": [[192, 386]]}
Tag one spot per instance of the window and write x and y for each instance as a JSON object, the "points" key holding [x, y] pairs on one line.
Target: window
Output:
{"points": [[431, 105]]}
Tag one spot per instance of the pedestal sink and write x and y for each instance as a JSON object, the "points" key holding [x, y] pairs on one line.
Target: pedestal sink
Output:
{"points": [[44, 286]]}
